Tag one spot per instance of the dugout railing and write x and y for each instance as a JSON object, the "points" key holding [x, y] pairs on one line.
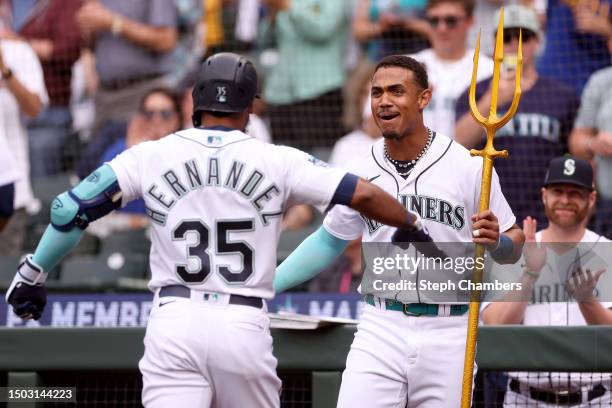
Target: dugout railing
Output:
{"points": [[102, 362]]}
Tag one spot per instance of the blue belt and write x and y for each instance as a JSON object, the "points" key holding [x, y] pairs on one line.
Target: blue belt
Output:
{"points": [[418, 309]]}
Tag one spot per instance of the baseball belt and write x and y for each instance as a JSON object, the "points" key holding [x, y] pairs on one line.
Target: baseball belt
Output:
{"points": [[185, 292], [417, 309], [558, 398]]}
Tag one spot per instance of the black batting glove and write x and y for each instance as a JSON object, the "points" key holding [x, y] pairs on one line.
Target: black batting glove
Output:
{"points": [[415, 234], [27, 294]]}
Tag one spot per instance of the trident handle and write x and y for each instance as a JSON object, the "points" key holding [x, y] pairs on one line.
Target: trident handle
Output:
{"points": [[491, 124]]}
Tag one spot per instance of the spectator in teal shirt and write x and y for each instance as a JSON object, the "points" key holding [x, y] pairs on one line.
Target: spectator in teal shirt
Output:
{"points": [[389, 27], [304, 87]]}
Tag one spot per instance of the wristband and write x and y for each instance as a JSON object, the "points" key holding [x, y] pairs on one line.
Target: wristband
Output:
{"points": [[531, 274], [30, 272], [504, 249]]}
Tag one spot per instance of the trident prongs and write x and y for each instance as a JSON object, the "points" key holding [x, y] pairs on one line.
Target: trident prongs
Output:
{"points": [[493, 123]]}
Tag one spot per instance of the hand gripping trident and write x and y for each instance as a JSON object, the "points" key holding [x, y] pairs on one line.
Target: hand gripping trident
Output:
{"points": [[488, 153]]}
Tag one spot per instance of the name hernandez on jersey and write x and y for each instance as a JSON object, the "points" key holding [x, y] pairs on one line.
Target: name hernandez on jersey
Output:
{"points": [[240, 179]]}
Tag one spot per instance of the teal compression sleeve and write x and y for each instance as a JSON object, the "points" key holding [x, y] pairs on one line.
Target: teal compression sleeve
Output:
{"points": [[93, 201], [310, 258], [54, 245]]}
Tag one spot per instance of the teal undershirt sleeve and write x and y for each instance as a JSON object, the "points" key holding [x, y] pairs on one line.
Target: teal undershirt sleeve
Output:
{"points": [[55, 244], [310, 258]]}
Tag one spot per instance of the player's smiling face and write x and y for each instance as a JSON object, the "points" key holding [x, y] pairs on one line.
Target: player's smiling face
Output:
{"points": [[567, 205], [397, 101]]}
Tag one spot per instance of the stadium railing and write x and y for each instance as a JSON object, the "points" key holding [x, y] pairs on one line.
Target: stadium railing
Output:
{"points": [[102, 362]]}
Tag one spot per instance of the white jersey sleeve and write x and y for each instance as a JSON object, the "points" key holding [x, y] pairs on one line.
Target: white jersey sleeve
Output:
{"points": [[310, 180], [127, 169], [344, 222]]}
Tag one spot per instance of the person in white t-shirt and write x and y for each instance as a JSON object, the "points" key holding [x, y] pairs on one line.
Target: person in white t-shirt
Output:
{"points": [[449, 61], [22, 93], [357, 143], [8, 176], [574, 298]]}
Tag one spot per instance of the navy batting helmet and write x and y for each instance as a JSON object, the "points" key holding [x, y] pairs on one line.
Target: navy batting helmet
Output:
{"points": [[227, 83]]}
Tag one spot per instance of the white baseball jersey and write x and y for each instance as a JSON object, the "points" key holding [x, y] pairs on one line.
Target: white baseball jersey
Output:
{"points": [[215, 199], [553, 312], [443, 187], [449, 80], [418, 360]]}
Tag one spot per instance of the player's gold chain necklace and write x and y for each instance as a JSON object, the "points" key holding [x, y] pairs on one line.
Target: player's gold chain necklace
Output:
{"points": [[408, 165]]}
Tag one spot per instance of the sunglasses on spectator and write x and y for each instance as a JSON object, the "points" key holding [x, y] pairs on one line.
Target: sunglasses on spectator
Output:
{"points": [[449, 21], [511, 34], [165, 114]]}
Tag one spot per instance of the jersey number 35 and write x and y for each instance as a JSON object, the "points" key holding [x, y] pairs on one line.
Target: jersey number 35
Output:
{"points": [[200, 250]]}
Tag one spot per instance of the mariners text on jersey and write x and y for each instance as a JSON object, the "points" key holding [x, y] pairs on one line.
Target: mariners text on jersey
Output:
{"points": [[443, 187], [175, 184], [429, 208]]}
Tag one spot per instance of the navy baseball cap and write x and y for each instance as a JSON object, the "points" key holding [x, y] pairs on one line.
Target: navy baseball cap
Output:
{"points": [[569, 170]]}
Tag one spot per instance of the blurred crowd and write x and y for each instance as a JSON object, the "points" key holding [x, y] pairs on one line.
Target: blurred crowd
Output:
{"points": [[82, 80]]}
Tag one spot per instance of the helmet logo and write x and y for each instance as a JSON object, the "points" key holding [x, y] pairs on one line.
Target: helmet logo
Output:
{"points": [[221, 94]]}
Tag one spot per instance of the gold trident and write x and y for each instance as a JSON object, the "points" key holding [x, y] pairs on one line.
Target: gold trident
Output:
{"points": [[488, 154]]}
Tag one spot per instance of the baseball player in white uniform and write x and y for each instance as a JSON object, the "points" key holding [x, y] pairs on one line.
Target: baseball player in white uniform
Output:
{"points": [[407, 353], [559, 300], [215, 197]]}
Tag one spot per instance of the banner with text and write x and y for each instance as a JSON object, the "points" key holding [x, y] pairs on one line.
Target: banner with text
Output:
{"points": [[132, 309]]}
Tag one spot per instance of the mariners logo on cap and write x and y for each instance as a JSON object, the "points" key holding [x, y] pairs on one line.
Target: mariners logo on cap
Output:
{"points": [[221, 94], [569, 167], [569, 170]]}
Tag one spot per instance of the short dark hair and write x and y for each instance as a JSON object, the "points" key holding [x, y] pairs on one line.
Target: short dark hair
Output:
{"points": [[198, 116], [407, 63], [468, 5]]}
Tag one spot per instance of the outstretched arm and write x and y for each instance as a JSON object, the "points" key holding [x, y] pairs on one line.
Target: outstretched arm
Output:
{"points": [[71, 213], [321, 248], [374, 203], [308, 260]]}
